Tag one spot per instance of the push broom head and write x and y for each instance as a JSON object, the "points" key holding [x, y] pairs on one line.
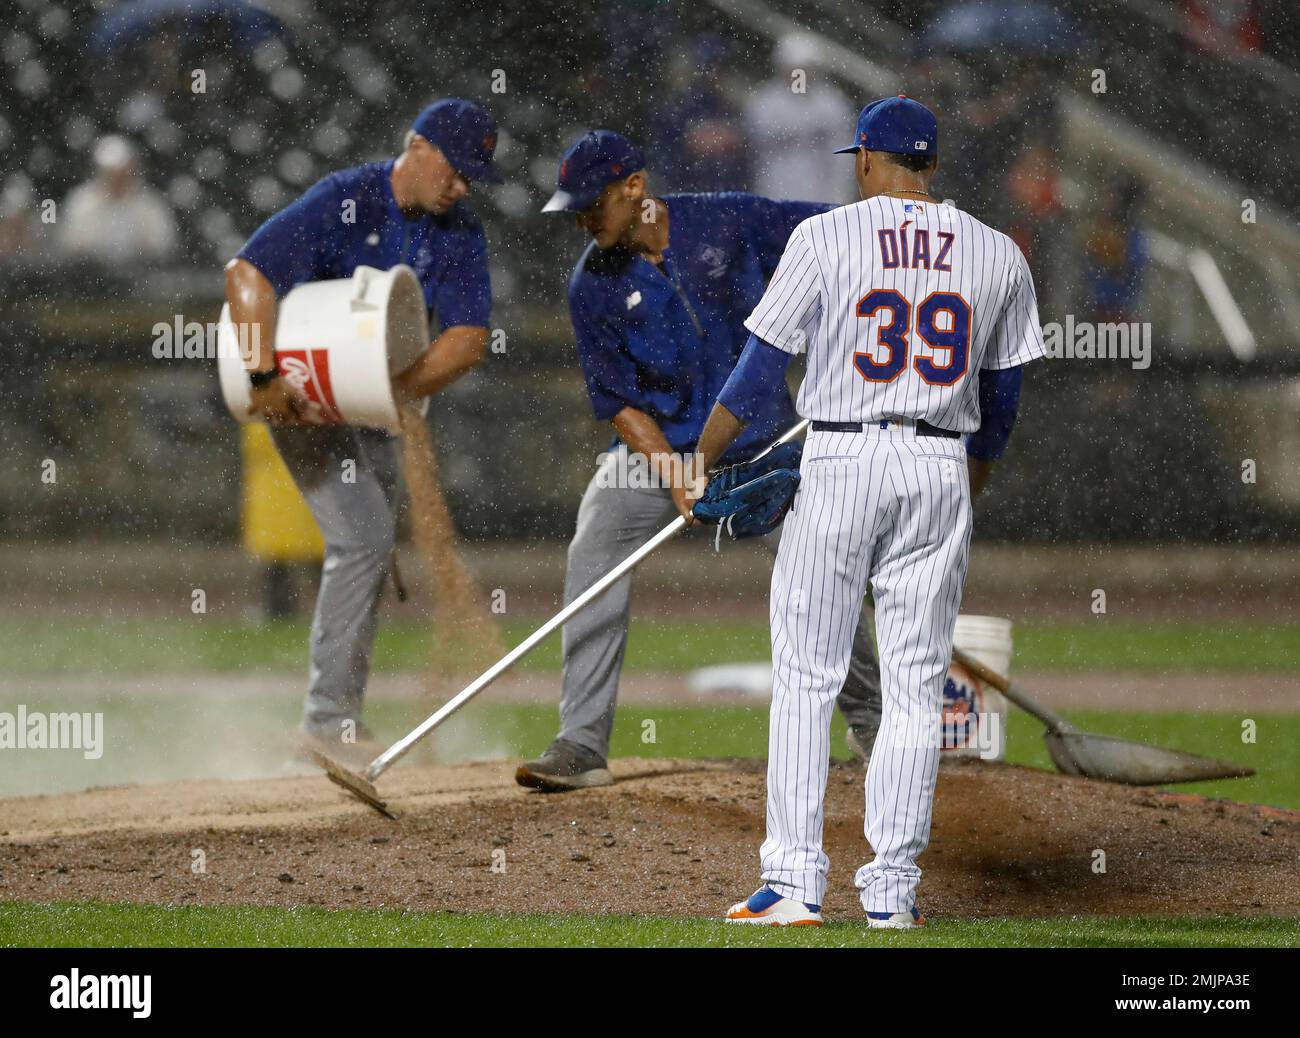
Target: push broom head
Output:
{"points": [[355, 784]]}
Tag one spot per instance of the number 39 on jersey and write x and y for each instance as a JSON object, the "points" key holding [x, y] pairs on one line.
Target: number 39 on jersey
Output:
{"points": [[943, 323]]}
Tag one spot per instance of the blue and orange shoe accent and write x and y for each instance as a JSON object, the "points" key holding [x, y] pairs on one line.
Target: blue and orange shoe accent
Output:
{"points": [[896, 920], [765, 907]]}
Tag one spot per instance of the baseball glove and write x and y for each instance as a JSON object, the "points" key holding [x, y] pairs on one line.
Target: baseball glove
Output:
{"points": [[751, 499]]}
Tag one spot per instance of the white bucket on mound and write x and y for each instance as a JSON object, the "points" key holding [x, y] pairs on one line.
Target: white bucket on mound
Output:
{"points": [[338, 342], [974, 715]]}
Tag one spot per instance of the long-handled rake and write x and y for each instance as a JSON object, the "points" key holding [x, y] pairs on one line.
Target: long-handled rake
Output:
{"points": [[362, 785], [1105, 756]]}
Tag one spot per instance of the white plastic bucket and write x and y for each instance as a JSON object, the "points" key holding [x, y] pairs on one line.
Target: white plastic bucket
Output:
{"points": [[974, 715], [339, 342]]}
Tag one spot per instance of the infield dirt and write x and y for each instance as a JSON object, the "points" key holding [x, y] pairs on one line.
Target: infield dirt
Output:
{"points": [[669, 838]]}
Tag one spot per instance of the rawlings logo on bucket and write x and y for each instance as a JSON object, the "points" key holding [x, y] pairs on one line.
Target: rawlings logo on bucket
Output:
{"points": [[308, 371]]}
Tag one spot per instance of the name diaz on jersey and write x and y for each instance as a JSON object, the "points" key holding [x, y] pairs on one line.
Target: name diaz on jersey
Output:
{"points": [[894, 249]]}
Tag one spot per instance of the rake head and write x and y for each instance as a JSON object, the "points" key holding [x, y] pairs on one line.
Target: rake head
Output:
{"points": [[357, 785]]}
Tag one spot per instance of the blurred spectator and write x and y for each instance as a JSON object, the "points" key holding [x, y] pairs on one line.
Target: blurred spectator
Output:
{"points": [[792, 134], [1224, 27], [635, 33], [988, 129], [696, 133], [1033, 184], [115, 217], [20, 223], [1114, 252], [1035, 210]]}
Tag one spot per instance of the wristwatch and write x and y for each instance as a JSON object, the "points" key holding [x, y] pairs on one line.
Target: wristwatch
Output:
{"points": [[258, 379]]}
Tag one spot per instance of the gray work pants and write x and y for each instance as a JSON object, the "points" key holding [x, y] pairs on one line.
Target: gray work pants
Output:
{"points": [[354, 505]]}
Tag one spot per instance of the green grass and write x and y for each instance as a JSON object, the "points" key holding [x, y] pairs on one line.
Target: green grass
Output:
{"points": [[33, 646], [157, 738], [196, 644], [742, 732], [1111, 643], [117, 926]]}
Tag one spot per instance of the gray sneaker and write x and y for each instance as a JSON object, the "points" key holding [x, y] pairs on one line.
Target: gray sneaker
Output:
{"points": [[564, 766], [328, 739], [859, 739]]}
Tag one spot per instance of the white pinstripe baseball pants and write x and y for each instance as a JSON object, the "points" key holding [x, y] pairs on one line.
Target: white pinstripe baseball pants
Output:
{"points": [[893, 508]]}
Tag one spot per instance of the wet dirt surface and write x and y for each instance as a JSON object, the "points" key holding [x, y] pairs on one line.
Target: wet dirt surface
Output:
{"points": [[669, 838]]}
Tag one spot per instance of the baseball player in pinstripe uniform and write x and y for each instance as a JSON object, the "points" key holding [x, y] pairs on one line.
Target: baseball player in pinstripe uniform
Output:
{"points": [[916, 319]]}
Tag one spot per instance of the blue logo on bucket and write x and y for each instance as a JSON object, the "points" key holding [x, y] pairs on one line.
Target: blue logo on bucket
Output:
{"points": [[963, 701]]}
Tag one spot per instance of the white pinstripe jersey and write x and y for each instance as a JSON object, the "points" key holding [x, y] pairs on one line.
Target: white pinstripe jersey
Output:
{"points": [[899, 304]]}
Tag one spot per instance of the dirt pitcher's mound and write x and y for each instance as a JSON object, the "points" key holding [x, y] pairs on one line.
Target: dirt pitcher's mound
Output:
{"points": [[670, 838]]}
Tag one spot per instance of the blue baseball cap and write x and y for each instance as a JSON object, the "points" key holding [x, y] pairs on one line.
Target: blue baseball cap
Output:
{"points": [[466, 134], [898, 125], [595, 159]]}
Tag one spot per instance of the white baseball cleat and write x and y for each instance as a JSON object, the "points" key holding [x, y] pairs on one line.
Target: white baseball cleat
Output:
{"points": [[765, 907], [895, 920]]}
